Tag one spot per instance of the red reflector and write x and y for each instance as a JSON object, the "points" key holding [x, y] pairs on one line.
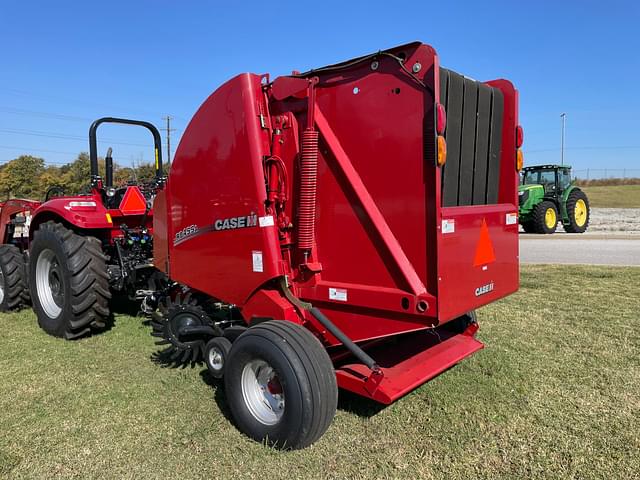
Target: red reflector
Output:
{"points": [[133, 202], [484, 250], [441, 118], [519, 136]]}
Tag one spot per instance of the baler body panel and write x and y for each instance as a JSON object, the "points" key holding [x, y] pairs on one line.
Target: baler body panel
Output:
{"points": [[217, 177]]}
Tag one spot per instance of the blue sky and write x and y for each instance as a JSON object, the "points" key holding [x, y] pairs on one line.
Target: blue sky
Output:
{"points": [[65, 63]]}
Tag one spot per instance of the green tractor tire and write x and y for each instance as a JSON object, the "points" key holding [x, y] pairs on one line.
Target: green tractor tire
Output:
{"points": [[578, 212], [545, 217]]}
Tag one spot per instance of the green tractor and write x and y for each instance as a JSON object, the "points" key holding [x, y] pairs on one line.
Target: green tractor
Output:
{"points": [[548, 194]]}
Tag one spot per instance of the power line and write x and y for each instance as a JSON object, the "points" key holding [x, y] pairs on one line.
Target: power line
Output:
{"points": [[37, 133]]}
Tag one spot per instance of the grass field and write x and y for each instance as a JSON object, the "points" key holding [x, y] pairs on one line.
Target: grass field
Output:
{"points": [[615, 196], [556, 394]]}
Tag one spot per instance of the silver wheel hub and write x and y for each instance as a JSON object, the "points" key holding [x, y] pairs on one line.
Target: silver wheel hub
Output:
{"points": [[49, 285], [216, 360], [262, 392]]}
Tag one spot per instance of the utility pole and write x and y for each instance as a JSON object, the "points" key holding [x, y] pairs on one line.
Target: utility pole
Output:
{"points": [[563, 116], [169, 130]]}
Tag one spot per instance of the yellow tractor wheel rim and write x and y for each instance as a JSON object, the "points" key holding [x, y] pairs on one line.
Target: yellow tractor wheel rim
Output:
{"points": [[580, 213], [550, 218]]}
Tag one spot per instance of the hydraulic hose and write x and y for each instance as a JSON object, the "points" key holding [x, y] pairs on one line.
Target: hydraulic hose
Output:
{"points": [[349, 344]]}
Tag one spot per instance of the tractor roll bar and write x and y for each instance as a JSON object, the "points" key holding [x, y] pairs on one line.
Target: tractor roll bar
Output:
{"points": [[93, 146]]}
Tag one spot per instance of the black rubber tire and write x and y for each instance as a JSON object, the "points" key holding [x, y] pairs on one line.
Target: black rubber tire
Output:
{"points": [[13, 280], [223, 346], [528, 227], [572, 226], [307, 377], [539, 212], [83, 278], [460, 324]]}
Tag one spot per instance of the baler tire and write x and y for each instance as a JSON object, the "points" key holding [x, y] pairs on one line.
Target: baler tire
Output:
{"points": [[220, 347], [577, 197], [75, 267], [539, 217], [308, 386], [460, 324], [14, 291]]}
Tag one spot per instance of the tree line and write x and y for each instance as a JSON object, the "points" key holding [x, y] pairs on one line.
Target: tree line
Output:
{"points": [[30, 177]]}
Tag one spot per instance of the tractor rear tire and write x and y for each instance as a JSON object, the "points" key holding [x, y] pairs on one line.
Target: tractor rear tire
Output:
{"points": [[281, 385], [528, 227], [13, 278], [545, 217], [578, 212], [68, 281]]}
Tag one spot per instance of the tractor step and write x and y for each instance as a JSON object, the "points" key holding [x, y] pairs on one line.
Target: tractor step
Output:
{"points": [[406, 364]]}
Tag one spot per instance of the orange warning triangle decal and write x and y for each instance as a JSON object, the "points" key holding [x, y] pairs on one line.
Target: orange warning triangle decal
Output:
{"points": [[133, 202], [484, 249]]}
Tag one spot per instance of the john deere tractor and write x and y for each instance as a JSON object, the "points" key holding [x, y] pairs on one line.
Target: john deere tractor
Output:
{"points": [[548, 195]]}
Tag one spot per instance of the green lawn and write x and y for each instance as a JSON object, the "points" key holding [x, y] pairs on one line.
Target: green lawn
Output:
{"points": [[614, 196], [556, 394]]}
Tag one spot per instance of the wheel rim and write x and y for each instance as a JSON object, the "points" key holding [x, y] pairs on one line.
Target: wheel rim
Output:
{"points": [[262, 392], [580, 213], [1, 286], [550, 218], [49, 284], [215, 359]]}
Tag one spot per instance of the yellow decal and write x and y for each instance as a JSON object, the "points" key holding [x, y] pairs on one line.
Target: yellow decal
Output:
{"points": [[108, 217], [157, 165]]}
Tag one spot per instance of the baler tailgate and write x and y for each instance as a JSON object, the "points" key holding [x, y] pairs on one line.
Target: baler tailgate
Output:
{"points": [[412, 361]]}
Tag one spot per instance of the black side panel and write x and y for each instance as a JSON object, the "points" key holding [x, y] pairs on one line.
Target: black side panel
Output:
{"points": [[453, 106], [468, 142], [471, 174], [482, 145], [495, 143]]}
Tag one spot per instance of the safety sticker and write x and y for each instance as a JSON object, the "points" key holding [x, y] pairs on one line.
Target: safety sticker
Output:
{"points": [[512, 218], [266, 221], [256, 257], [448, 226], [339, 294]]}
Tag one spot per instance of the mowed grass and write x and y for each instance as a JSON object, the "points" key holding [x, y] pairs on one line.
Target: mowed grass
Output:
{"points": [[613, 196], [555, 394]]}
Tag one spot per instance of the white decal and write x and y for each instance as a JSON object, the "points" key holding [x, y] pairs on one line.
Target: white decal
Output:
{"points": [[448, 226], [511, 219], [339, 294], [266, 221], [256, 257]]}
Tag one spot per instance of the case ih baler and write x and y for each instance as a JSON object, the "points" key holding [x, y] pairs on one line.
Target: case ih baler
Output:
{"points": [[334, 228]]}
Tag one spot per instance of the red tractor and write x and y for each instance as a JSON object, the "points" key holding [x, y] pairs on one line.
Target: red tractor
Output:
{"points": [[68, 254], [337, 228]]}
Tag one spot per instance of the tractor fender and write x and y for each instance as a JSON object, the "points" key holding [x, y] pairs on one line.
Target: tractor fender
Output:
{"points": [[76, 212]]}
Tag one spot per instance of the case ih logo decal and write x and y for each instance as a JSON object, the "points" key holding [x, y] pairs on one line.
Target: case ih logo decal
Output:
{"points": [[232, 223], [236, 222], [484, 289]]}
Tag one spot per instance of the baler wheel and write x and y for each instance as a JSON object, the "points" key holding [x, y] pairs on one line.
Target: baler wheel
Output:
{"points": [[216, 353], [68, 281], [171, 324], [281, 385], [14, 290]]}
